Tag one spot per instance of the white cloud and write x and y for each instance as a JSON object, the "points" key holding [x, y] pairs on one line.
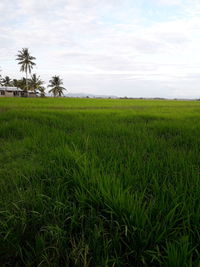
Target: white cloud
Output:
{"points": [[168, 2], [104, 45]]}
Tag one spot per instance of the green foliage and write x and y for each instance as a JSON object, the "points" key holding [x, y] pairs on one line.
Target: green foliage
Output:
{"points": [[6, 81], [26, 61], [56, 86], [90, 182], [21, 83], [41, 90], [35, 83]]}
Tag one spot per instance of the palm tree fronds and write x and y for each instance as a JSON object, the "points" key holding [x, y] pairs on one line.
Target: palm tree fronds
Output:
{"points": [[26, 62], [56, 86]]}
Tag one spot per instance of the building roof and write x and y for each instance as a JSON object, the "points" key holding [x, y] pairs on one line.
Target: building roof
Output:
{"points": [[13, 89]]}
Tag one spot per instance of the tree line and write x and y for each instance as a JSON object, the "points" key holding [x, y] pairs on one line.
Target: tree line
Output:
{"points": [[34, 82]]}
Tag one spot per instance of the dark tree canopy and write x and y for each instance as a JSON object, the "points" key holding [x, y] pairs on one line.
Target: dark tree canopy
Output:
{"points": [[56, 86]]}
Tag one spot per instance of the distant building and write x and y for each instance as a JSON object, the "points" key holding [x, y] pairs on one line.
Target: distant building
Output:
{"points": [[15, 92]]}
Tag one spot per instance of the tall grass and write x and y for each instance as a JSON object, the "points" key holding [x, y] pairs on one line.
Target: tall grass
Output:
{"points": [[99, 182]]}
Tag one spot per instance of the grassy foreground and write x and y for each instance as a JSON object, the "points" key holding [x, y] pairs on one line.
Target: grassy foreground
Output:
{"points": [[99, 182]]}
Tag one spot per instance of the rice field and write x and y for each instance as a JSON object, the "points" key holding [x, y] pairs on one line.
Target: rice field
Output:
{"points": [[99, 182]]}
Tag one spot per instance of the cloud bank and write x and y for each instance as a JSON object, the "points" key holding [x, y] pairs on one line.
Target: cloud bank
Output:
{"points": [[146, 48]]}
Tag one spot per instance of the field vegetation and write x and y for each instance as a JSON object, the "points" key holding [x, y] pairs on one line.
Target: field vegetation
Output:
{"points": [[93, 182]]}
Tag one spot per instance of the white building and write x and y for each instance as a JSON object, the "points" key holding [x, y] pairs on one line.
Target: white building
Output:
{"points": [[6, 91]]}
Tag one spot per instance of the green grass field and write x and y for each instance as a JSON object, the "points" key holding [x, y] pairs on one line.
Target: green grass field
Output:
{"points": [[91, 182]]}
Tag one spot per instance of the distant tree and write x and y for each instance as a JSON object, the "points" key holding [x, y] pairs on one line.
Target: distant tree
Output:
{"points": [[20, 83], [26, 62], [41, 89], [1, 81], [35, 83], [56, 86], [15, 83], [6, 81]]}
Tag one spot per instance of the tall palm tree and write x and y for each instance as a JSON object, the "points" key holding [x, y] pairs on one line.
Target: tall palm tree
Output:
{"points": [[35, 82], [26, 62], [7, 81], [56, 86]]}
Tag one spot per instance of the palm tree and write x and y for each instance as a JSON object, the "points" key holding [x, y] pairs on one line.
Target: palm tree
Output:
{"points": [[42, 91], [20, 83], [16, 83], [1, 80], [7, 81], [35, 82], [26, 62], [55, 85]]}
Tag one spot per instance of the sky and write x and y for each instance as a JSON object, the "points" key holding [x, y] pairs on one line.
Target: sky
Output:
{"points": [[134, 48]]}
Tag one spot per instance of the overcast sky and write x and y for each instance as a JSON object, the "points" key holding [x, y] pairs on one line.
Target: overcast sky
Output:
{"points": [[138, 48]]}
